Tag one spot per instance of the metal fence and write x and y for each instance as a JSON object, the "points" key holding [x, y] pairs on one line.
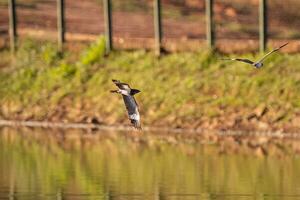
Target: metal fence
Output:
{"points": [[154, 24]]}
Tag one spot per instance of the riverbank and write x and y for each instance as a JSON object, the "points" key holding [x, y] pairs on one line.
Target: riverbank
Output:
{"points": [[179, 90]]}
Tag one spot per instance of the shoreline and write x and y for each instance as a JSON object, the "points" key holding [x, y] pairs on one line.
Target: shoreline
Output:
{"points": [[102, 127], [260, 144]]}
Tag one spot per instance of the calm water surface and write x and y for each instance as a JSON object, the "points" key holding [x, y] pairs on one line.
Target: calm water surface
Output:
{"points": [[36, 164]]}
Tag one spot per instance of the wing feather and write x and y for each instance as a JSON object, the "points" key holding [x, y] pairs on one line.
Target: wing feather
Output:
{"points": [[241, 60], [274, 50], [122, 86], [244, 60], [132, 110]]}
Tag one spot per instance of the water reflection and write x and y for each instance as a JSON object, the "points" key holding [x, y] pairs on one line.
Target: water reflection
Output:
{"points": [[36, 164]]}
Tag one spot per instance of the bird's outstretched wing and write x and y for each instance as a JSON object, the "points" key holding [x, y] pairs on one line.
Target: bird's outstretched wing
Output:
{"points": [[240, 59], [274, 50], [133, 111], [123, 86]]}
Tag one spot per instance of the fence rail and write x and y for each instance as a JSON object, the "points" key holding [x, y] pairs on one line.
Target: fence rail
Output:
{"points": [[157, 17], [61, 23], [263, 25], [108, 25], [12, 24]]}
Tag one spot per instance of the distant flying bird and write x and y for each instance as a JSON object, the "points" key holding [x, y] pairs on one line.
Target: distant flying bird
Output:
{"points": [[130, 102], [259, 63]]}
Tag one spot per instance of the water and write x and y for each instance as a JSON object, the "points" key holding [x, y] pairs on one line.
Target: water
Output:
{"points": [[37, 164]]}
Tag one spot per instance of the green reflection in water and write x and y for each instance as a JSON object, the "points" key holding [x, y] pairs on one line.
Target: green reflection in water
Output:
{"points": [[37, 165]]}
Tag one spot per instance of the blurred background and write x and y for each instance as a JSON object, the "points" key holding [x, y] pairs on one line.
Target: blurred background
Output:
{"points": [[183, 21]]}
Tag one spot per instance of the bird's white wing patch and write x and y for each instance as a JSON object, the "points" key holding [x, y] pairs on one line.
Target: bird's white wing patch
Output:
{"points": [[135, 117], [125, 86], [124, 92]]}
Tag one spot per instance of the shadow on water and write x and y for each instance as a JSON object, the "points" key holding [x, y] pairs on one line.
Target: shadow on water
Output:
{"points": [[40, 164]]}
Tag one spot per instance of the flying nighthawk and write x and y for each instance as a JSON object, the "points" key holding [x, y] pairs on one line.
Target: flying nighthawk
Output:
{"points": [[130, 102], [257, 64]]}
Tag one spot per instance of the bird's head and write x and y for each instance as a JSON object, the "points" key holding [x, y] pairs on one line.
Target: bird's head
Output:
{"points": [[258, 65]]}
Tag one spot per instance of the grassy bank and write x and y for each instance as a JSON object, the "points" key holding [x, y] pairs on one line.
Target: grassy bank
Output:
{"points": [[179, 90]]}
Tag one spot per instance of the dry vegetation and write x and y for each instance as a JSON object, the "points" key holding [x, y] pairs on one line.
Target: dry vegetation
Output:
{"points": [[189, 90]]}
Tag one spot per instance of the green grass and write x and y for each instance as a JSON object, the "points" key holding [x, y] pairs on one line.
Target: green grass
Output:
{"points": [[179, 88]]}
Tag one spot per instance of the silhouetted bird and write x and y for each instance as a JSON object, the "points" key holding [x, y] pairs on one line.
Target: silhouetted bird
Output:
{"points": [[259, 63], [130, 102]]}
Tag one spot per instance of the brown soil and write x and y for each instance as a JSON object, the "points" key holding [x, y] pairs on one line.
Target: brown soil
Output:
{"points": [[261, 119]]}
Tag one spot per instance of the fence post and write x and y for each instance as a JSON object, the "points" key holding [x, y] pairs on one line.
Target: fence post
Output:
{"points": [[61, 23], [12, 25], [210, 24], [157, 27], [263, 25], [108, 25]]}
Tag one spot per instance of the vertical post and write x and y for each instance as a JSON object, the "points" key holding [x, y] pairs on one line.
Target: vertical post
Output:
{"points": [[108, 25], [12, 187], [61, 23], [12, 25], [157, 26], [210, 24], [263, 26], [59, 195]]}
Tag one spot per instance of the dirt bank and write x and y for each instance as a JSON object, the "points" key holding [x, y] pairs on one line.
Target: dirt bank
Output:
{"points": [[193, 90]]}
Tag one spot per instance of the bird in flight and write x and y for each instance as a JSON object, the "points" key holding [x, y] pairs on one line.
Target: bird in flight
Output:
{"points": [[129, 101], [259, 63]]}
